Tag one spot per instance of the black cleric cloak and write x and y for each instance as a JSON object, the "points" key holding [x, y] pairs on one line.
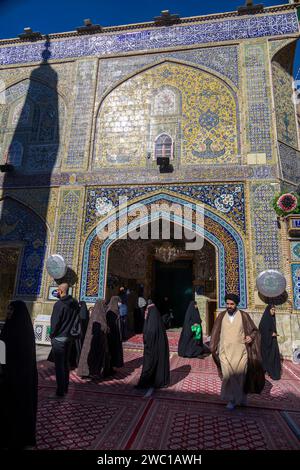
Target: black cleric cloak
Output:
{"points": [[255, 378]]}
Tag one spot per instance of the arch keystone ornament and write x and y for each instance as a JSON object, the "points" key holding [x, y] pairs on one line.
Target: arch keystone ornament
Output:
{"points": [[227, 241]]}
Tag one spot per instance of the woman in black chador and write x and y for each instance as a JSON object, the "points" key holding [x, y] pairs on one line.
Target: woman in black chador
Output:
{"points": [[84, 319], [191, 342], [95, 358], [156, 362], [269, 345], [114, 335], [19, 383], [78, 340]]}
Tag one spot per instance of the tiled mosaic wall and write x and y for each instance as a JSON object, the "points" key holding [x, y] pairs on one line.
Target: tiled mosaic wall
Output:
{"points": [[259, 119], [227, 199], [295, 267], [82, 114], [32, 123], [294, 248], [233, 29], [283, 93], [266, 239], [201, 131], [222, 59], [191, 106], [69, 225], [290, 163]]}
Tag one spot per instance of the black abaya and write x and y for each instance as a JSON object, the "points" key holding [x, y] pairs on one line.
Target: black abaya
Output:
{"points": [[84, 318], [188, 346], [114, 339], [77, 342], [156, 362], [20, 385], [98, 359], [139, 319], [95, 357], [269, 345]]}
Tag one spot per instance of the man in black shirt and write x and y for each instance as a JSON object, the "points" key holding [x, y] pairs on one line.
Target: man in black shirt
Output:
{"points": [[64, 313]]}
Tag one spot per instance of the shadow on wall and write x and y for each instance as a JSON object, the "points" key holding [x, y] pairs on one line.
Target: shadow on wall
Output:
{"points": [[279, 300], [29, 135], [70, 277]]}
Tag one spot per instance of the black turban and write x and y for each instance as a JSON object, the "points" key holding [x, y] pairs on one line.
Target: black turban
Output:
{"points": [[235, 298]]}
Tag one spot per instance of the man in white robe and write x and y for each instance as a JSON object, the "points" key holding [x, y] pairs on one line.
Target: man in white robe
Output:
{"points": [[235, 345]]}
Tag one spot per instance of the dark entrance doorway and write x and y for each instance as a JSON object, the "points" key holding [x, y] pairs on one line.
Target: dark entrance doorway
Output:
{"points": [[175, 281]]}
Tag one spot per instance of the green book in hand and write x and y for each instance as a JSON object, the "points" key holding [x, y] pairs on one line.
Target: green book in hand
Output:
{"points": [[197, 330]]}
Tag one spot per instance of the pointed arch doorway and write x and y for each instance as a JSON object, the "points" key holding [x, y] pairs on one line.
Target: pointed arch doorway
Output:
{"points": [[217, 231], [164, 268]]}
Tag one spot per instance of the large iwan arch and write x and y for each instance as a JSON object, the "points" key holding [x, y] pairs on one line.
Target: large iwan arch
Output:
{"points": [[22, 225], [205, 122]]}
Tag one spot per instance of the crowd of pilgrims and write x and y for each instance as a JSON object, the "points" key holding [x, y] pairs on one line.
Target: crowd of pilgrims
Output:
{"points": [[90, 340]]}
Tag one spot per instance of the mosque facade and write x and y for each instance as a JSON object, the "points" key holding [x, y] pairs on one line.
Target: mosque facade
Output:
{"points": [[84, 118]]}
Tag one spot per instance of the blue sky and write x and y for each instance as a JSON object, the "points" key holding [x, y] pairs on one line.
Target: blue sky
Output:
{"points": [[65, 15]]}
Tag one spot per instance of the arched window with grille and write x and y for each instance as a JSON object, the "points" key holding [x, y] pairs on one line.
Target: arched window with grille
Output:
{"points": [[164, 147]]}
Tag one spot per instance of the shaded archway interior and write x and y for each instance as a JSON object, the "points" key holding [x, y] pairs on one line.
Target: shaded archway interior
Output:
{"points": [[191, 273]]}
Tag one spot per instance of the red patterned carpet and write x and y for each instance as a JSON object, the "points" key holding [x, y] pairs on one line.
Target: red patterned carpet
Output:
{"points": [[172, 426], [87, 421], [189, 414], [137, 341]]}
